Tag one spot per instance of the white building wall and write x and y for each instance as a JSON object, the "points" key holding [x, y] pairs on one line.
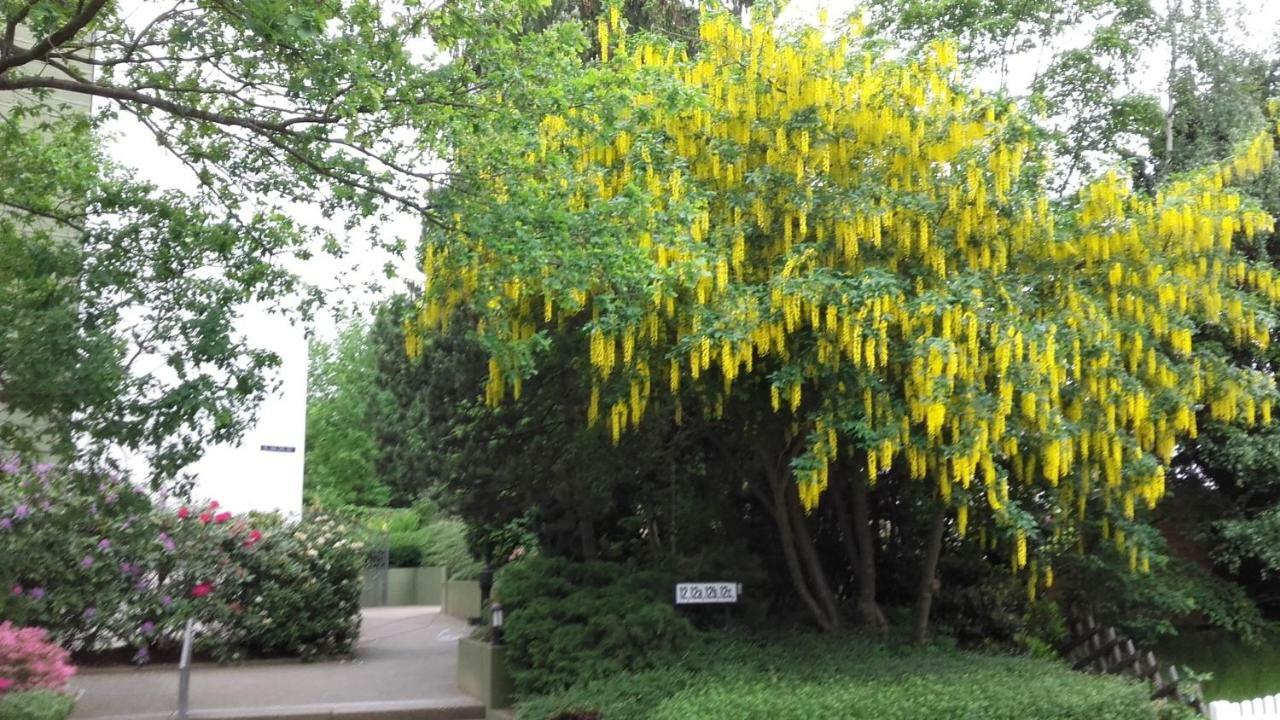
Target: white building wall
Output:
{"points": [[242, 477], [264, 471], [62, 101]]}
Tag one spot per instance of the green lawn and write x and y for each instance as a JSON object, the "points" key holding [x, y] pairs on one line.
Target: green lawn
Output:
{"points": [[1240, 671], [806, 677]]}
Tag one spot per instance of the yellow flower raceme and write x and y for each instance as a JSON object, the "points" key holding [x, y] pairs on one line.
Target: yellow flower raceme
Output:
{"points": [[877, 243]]}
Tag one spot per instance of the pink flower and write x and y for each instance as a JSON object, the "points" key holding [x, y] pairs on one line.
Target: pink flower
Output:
{"points": [[184, 512], [222, 517], [254, 537], [206, 517], [32, 660], [17, 590], [214, 505], [201, 590]]}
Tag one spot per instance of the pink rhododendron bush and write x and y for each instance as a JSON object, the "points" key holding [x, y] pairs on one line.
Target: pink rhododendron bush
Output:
{"points": [[106, 569], [29, 660]]}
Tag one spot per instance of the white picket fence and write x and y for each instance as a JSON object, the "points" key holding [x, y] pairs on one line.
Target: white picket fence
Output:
{"points": [[1267, 708]]}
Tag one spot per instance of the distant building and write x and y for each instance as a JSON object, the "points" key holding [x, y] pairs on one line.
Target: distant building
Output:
{"points": [[264, 471], [49, 427]]}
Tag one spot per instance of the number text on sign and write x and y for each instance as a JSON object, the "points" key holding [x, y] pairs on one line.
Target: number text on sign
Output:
{"points": [[702, 593]]}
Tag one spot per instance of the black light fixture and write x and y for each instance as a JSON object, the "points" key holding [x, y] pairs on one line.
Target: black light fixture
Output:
{"points": [[485, 579], [495, 619]]}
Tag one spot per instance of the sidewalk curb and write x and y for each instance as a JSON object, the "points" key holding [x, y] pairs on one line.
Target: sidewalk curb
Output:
{"points": [[398, 710]]}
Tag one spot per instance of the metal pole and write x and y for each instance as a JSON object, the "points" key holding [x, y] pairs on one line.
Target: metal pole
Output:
{"points": [[385, 570], [184, 672]]}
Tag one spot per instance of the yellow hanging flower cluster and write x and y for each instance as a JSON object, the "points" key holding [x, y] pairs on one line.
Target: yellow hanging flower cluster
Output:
{"points": [[865, 234]]}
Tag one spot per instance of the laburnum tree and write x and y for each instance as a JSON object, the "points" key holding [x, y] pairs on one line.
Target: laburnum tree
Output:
{"points": [[792, 220]]}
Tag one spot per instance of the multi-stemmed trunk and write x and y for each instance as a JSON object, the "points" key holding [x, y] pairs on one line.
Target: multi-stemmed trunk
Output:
{"points": [[803, 566], [864, 564], [928, 575]]}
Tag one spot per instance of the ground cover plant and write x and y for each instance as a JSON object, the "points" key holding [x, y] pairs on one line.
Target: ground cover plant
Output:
{"points": [[36, 705], [798, 677]]}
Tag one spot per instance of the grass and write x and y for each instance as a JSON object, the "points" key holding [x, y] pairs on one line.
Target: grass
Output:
{"points": [[1240, 671], [804, 677]]}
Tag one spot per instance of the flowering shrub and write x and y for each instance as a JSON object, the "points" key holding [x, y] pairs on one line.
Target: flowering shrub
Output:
{"points": [[101, 566], [29, 660]]}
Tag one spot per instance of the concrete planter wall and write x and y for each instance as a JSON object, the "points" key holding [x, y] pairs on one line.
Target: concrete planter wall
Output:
{"points": [[462, 599], [482, 672], [428, 583], [405, 586]]}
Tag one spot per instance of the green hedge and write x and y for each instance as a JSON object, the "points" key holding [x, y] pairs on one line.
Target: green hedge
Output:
{"points": [[417, 537], [570, 621], [444, 544], [805, 677], [36, 705]]}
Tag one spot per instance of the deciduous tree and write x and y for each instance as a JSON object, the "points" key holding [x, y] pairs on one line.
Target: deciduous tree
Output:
{"points": [[869, 247]]}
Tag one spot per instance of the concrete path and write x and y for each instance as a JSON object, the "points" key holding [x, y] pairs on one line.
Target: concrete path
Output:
{"points": [[405, 669]]}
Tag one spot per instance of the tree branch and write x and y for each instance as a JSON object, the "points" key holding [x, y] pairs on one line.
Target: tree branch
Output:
{"points": [[11, 26], [77, 23], [123, 94]]}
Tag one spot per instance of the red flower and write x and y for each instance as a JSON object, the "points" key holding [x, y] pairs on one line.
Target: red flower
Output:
{"points": [[206, 517], [222, 517], [201, 590], [254, 537], [184, 512]]}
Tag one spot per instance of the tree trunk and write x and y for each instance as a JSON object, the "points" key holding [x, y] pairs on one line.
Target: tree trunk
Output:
{"points": [[587, 535], [1173, 19], [809, 555], [787, 537], [865, 568], [847, 541], [928, 573]]}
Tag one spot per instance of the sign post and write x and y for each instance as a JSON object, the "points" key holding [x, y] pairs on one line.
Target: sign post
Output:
{"points": [[184, 672]]}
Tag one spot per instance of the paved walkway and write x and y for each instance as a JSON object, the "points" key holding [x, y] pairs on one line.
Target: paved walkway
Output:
{"points": [[405, 669]]}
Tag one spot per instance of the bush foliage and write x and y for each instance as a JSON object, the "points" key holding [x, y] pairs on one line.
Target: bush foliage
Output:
{"points": [[418, 537], [30, 661], [36, 705], [569, 622], [101, 566], [838, 676]]}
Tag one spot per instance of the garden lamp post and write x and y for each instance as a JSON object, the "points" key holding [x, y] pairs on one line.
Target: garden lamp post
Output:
{"points": [[496, 619], [486, 584]]}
